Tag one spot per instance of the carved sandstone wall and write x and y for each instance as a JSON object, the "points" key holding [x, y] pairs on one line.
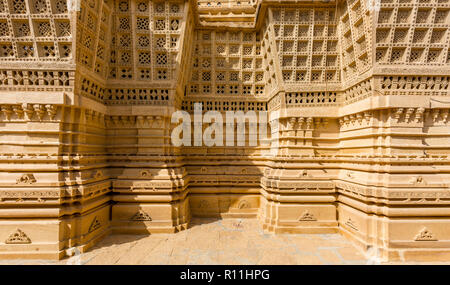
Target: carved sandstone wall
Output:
{"points": [[87, 97]]}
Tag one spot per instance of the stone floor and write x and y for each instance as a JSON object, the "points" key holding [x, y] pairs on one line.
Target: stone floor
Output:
{"points": [[229, 241]]}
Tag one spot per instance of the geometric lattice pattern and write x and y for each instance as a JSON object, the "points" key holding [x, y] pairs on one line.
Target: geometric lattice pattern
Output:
{"points": [[413, 32], [145, 40], [33, 30], [87, 97], [93, 29], [355, 34], [227, 63], [306, 41]]}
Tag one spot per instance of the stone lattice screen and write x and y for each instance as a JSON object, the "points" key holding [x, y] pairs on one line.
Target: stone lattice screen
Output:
{"points": [[227, 63], [130, 41], [270, 58], [146, 40], [93, 32], [35, 29], [355, 31], [307, 44]]}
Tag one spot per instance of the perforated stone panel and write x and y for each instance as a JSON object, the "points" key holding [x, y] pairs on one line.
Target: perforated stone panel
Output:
{"points": [[307, 44], [413, 32], [227, 63]]}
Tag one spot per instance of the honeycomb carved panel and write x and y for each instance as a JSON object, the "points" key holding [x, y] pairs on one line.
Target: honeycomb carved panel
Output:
{"points": [[146, 40], [227, 63], [355, 38], [307, 44], [413, 32]]}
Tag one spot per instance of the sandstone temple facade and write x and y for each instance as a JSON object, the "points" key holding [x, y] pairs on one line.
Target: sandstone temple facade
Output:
{"points": [[87, 91]]}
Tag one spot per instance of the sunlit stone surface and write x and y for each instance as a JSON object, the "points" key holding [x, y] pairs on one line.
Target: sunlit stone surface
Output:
{"points": [[87, 95]]}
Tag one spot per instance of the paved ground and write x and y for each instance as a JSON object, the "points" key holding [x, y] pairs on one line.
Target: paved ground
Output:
{"points": [[230, 241]]}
